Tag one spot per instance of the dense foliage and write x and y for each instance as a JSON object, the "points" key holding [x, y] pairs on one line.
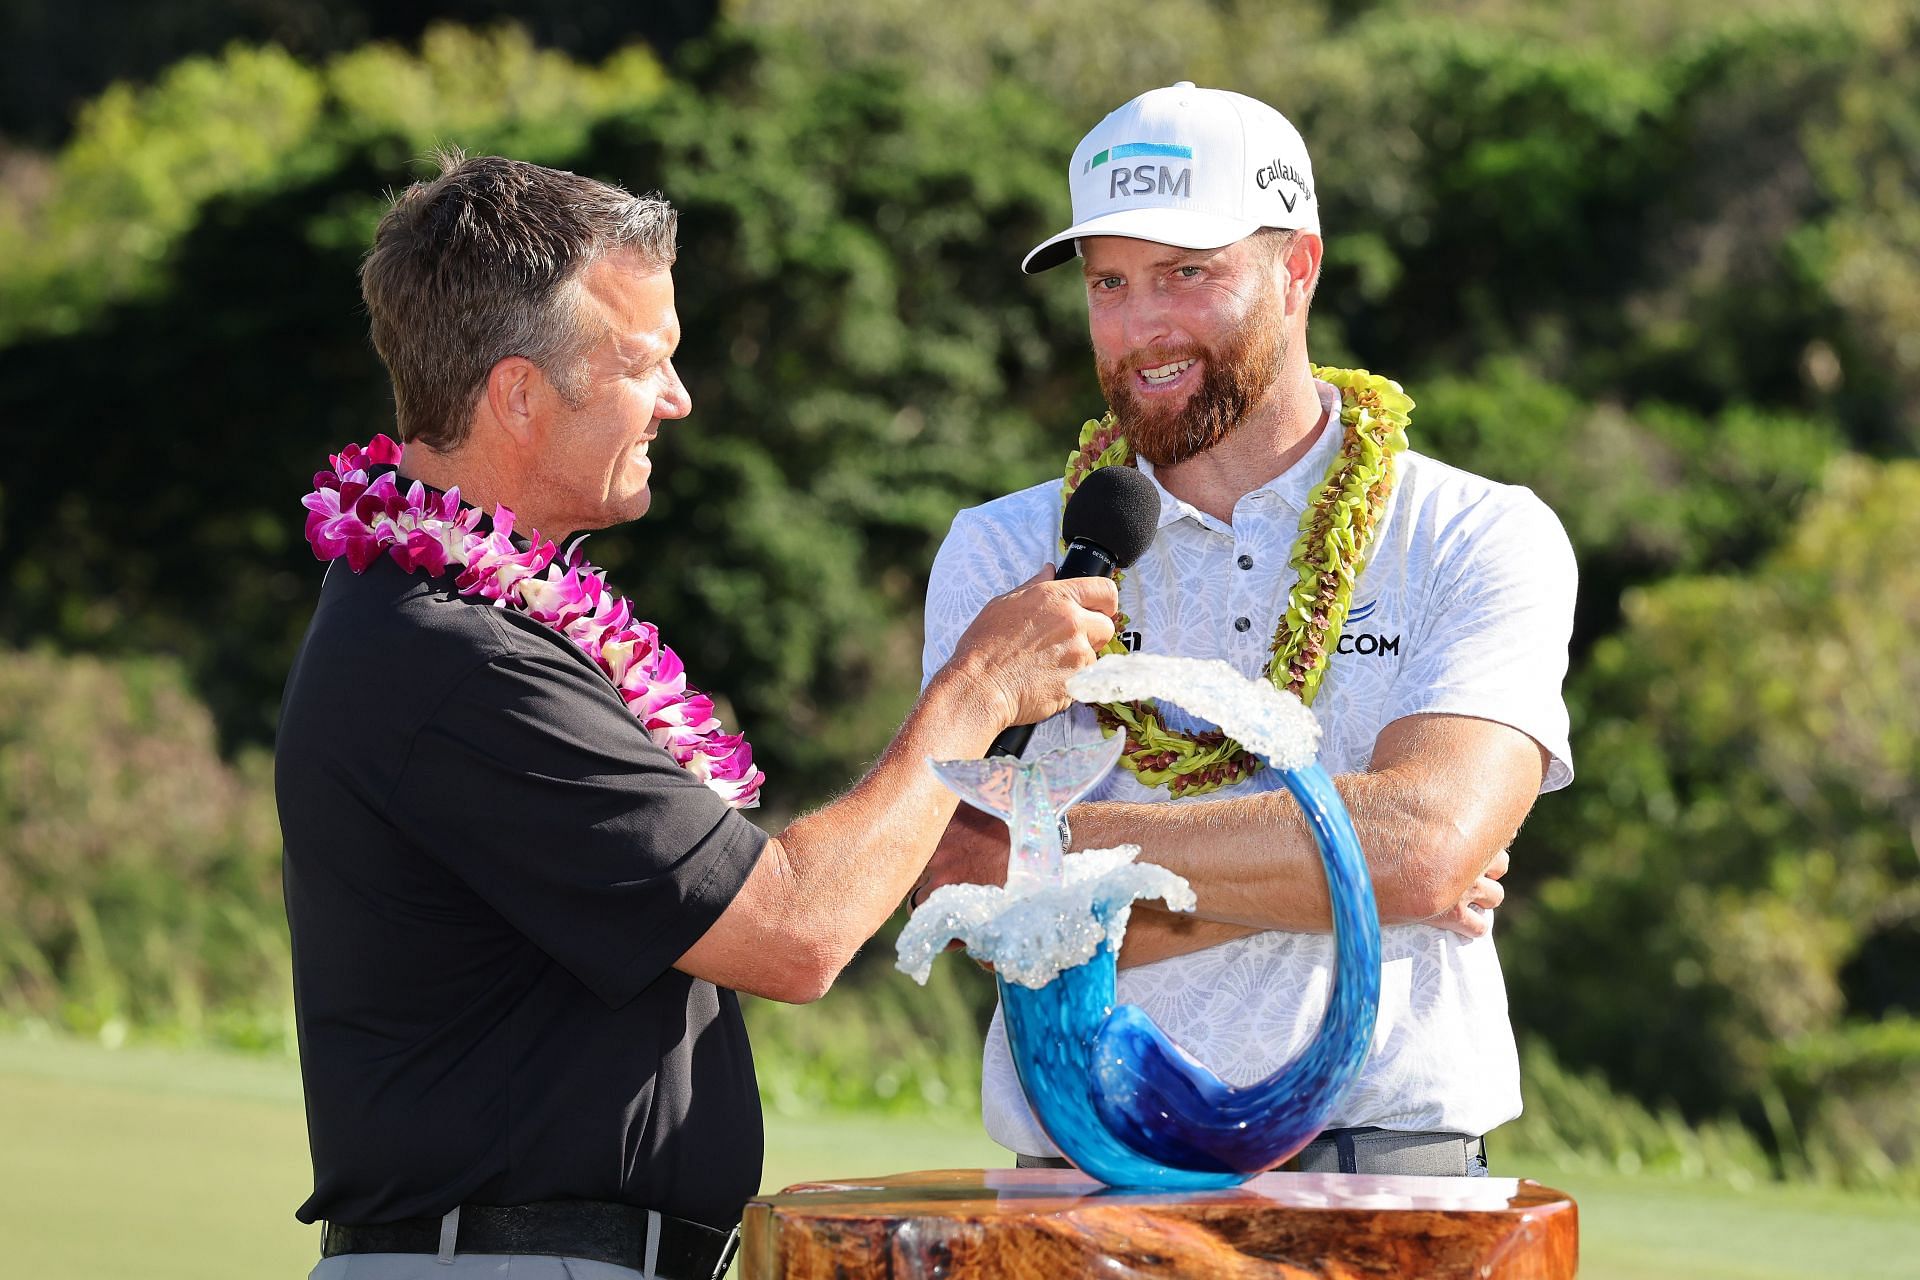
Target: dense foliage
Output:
{"points": [[1661, 267], [56, 57], [136, 862]]}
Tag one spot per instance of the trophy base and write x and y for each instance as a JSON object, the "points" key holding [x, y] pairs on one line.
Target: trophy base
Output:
{"points": [[990, 1224]]}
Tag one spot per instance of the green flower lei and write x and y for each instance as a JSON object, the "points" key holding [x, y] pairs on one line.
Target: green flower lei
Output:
{"points": [[1336, 534]]}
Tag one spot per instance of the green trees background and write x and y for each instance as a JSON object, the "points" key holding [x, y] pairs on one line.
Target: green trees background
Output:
{"points": [[1661, 266]]}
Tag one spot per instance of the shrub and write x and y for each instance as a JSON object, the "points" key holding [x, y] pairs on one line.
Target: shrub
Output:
{"points": [[139, 873]]}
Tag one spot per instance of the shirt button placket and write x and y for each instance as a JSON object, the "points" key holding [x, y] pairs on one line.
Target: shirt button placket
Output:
{"points": [[1243, 621]]}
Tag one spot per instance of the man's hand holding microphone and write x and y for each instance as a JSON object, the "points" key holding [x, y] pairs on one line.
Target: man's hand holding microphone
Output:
{"points": [[827, 881]]}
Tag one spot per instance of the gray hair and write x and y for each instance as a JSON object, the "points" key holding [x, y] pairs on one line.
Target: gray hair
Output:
{"points": [[485, 262]]}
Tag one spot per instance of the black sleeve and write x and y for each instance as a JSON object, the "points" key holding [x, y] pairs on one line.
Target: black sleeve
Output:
{"points": [[534, 784]]}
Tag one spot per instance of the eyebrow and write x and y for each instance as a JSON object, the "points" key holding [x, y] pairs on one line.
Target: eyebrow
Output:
{"points": [[639, 352], [1179, 258]]}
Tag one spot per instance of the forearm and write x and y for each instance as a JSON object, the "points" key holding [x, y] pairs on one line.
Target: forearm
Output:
{"points": [[1156, 934], [850, 862], [822, 886], [1253, 861]]}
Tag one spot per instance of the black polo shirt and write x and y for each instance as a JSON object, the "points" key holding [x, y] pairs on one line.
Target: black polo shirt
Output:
{"points": [[490, 872]]}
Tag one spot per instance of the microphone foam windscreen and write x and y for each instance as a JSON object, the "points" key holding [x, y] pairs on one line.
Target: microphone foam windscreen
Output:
{"points": [[1116, 509]]}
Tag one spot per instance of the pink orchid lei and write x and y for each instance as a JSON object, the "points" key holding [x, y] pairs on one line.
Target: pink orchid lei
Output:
{"points": [[360, 516]]}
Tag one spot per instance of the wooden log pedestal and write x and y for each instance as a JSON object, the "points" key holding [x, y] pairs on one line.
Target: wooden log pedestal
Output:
{"points": [[1045, 1224]]}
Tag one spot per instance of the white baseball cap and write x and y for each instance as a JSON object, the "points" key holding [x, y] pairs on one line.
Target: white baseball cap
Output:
{"points": [[1196, 168]]}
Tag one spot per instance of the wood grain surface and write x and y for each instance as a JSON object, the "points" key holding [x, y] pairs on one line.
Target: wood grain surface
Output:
{"points": [[1042, 1224]]}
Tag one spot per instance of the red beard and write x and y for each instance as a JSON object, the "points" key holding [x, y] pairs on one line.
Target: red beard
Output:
{"points": [[1233, 378]]}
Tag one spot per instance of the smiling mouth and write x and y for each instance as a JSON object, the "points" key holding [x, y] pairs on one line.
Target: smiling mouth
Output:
{"points": [[1165, 375]]}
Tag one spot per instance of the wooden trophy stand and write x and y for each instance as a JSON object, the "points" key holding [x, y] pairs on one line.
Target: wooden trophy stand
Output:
{"points": [[1045, 1224]]}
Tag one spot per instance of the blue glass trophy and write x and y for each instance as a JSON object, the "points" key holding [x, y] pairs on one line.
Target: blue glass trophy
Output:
{"points": [[1123, 1102]]}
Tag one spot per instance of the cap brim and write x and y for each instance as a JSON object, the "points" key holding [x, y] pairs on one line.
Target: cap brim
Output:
{"points": [[1182, 228]]}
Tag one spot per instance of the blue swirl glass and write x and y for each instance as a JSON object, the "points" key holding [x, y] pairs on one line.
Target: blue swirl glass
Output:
{"points": [[1129, 1107]]}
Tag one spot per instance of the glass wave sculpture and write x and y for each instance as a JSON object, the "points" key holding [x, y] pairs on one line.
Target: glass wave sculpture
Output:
{"points": [[1124, 1103]]}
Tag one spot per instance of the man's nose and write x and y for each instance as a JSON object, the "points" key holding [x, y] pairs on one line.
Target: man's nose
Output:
{"points": [[675, 400], [1146, 320]]}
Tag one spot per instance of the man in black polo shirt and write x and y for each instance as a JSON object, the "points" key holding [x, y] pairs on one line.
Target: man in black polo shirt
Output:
{"points": [[519, 924]]}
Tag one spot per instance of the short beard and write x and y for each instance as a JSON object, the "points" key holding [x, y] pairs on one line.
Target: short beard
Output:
{"points": [[1235, 377]]}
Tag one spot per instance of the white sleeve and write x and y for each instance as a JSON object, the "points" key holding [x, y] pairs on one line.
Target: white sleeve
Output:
{"points": [[978, 561], [1496, 633]]}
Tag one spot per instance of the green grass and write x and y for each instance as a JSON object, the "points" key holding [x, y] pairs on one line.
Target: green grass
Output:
{"points": [[162, 1163]]}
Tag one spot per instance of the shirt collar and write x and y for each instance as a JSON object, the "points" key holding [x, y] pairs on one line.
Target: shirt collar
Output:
{"points": [[1291, 486]]}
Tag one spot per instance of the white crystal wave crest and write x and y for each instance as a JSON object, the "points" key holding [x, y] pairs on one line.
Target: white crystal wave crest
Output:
{"points": [[1273, 725], [1031, 938]]}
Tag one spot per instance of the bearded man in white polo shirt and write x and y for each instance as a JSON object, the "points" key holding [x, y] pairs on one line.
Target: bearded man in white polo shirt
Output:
{"points": [[1424, 612]]}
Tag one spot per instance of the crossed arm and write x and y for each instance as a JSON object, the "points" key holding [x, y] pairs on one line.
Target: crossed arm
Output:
{"points": [[1435, 811]]}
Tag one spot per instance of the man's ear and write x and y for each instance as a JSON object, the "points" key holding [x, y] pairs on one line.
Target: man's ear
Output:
{"points": [[513, 387], [1302, 266]]}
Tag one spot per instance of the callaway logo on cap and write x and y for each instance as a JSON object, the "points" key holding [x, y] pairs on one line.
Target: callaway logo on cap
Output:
{"points": [[1196, 168]]}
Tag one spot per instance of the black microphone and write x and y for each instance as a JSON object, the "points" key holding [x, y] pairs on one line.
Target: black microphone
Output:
{"points": [[1109, 523]]}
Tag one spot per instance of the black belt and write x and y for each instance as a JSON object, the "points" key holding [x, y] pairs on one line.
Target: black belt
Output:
{"points": [[1373, 1150], [657, 1245]]}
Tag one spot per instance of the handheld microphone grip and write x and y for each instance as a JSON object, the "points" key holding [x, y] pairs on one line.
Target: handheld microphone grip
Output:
{"points": [[1012, 741], [1108, 524], [1083, 560]]}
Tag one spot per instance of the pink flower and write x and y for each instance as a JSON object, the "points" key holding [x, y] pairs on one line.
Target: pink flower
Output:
{"points": [[653, 678], [429, 532], [591, 631], [726, 766], [558, 599], [647, 699], [345, 536], [381, 451], [379, 501], [421, 549], [679, 725], [665, 668], [334, 532], [494, 566], [620, 650]]}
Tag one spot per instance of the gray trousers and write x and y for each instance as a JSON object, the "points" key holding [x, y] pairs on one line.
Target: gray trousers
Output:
{"points": [[466, 1266]]}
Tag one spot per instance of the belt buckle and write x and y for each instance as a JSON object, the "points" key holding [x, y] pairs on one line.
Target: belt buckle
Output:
{"points": [[727, 1250]]}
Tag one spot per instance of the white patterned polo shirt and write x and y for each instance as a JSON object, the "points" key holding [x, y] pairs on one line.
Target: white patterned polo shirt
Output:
{"points": [[1465, 608]]}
